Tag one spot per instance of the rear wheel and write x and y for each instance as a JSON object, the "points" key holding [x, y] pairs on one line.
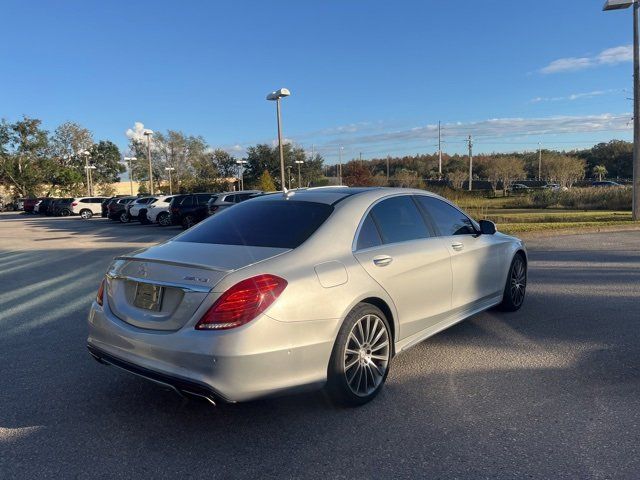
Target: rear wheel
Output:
{"points": [[86, 214], [516, 285], [164, 220], [188, 222], [142, 216], [360, 358], [124, 217], [65, 213]]}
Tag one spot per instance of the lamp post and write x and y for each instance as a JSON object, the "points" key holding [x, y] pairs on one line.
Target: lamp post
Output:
{"points": [[240, 164], [170, 169], [89, 169], [86, 154], [276, 96], [130, 159], [289, 176], [299, 162], [616, 5], [148, 133]]}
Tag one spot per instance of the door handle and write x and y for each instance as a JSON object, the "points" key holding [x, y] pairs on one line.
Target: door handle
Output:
{"points": [[382, 260], [457, 246]]}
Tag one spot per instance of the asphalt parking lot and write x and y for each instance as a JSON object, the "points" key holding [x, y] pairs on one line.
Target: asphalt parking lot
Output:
{"points": [[552, 391]]}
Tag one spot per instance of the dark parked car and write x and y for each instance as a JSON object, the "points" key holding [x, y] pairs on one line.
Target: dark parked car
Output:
{"points": [[225, 200], [29, 203], [62, 207], [46, 206], [107, 201], [190, 209], [118, 208], [605, 184]]}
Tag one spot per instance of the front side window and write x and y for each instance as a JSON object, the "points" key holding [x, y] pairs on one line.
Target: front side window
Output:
{"points": [[448, 219], [398, 220]]}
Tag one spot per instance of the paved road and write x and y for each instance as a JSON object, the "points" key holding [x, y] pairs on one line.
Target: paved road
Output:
{"points": [[552, 391]]}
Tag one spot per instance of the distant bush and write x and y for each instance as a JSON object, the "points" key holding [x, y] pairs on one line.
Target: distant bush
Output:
{"points": [[578, 198]]}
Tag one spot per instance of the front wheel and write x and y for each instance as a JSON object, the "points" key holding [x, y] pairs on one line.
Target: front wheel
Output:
{"points": [[516, 285], [124, 217], [360, 358], [86, 214]]}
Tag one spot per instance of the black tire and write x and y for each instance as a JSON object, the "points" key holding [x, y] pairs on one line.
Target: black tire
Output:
{"points": [[86, 214], [343, 383], [164, 219], [65, 212], [188, 222], [124, 217], [142, 217], [516, 285]]}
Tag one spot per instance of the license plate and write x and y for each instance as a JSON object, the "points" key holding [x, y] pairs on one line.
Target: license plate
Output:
{"points": [[148, 296]]}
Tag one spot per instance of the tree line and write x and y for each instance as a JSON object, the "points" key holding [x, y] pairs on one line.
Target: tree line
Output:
{"points": [[34, 161]]}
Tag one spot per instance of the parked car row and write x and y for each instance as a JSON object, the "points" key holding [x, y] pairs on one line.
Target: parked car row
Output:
{"points": [[85, 207], [184, 209]]}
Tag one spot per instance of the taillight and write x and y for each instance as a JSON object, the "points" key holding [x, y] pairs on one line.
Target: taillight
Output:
{"points": [[242, 303], [213, 208], [174, 210], [100, 295], [74, 204]]}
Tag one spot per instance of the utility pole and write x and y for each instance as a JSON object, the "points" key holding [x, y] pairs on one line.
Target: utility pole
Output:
{"points": [[128, 159], [470, 141], [340, 157], [387, 170], [539, 161], [86, 154], [439, 152], [360, 158]]}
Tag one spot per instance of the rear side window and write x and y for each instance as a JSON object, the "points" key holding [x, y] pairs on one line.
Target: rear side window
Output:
{"points": [[398, 220], [203, 199], [186, 201], [369, 236], [448, 220], [276, 223]]}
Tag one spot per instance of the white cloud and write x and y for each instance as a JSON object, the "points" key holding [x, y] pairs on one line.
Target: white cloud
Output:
{"points": [[572, 97], [610, 56]]}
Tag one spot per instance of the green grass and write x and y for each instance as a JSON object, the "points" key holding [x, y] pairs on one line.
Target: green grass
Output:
{"points": [[516, 228]]}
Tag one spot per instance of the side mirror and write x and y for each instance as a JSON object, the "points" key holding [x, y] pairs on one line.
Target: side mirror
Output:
{"points": [[487, 227]]}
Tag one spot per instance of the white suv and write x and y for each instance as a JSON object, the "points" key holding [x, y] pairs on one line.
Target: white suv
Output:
{"points": [[138, 206], [158, 211], [86, 207]]}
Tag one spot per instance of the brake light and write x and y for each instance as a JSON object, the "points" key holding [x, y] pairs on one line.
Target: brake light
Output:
{"points": [[100, 295], [242, 303], [174, 210], [74, 204], [213, 208]]}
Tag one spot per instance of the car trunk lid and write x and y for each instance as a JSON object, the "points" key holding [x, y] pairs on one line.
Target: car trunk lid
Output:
{"points": [[162, 287]]}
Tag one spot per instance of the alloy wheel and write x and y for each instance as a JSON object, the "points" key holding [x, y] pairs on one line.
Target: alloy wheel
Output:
{"points": [[366, 355], [518, 282], [164, 219]]}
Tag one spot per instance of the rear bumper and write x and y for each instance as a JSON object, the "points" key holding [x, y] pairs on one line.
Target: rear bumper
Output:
{"points": [[263, 358], [182, 386]]}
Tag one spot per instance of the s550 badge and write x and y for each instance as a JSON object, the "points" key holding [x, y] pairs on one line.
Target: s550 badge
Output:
{"points": [[197, 279]]}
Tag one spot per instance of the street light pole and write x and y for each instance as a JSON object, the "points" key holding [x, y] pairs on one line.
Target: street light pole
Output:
{"points": [[539, 161], [616, 5], [439, 152], [170, 169], [277, 95], [86, 154], [241, 164], [470, 163], [129, 159], [299, 162], [148, 133]]}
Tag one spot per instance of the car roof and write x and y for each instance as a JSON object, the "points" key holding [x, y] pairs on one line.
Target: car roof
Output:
{"points": [[334, 195]]}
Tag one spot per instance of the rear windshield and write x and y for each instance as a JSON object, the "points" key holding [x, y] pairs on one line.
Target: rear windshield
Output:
{"points": [[278, 224]]}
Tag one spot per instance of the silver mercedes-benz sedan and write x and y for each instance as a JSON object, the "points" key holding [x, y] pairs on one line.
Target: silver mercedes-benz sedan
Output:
{"points": [[309, 288]]}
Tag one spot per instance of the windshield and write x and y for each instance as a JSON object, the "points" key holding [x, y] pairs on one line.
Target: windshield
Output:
{"points": [[278, 224]]}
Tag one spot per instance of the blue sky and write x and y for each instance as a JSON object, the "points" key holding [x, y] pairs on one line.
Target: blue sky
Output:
{"points": [[374, 77]]}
